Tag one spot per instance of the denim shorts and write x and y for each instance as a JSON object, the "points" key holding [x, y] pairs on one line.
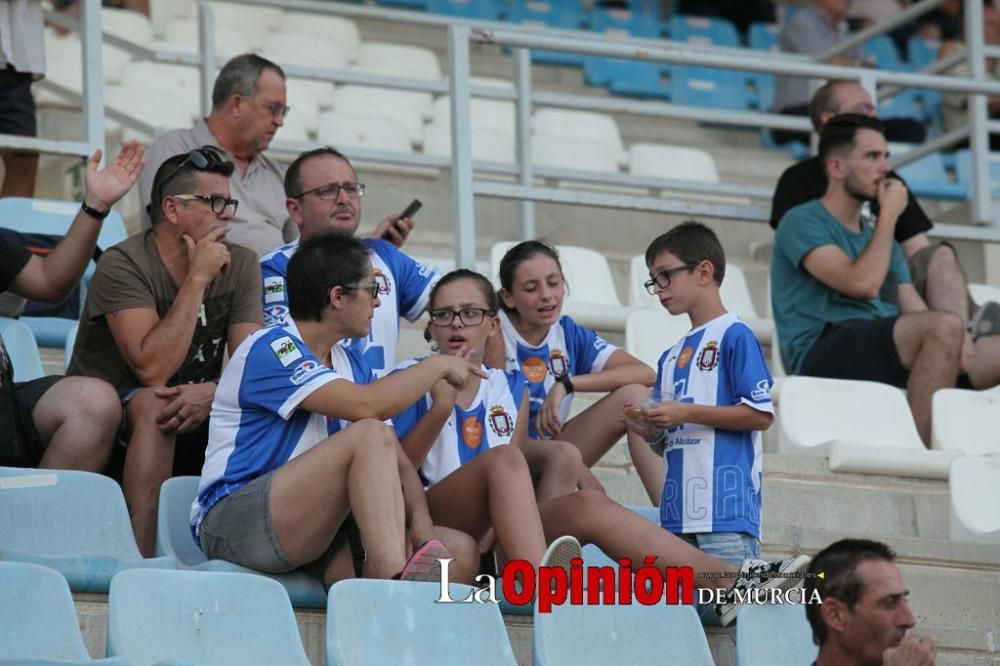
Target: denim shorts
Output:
{"points": [[730, 547]]}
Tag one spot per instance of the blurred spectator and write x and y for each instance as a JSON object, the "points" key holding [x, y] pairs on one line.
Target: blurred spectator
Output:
{"points": [[869, 12], [944, 22], [954, 106], [72, 7], [741, 12], [22, 60]]}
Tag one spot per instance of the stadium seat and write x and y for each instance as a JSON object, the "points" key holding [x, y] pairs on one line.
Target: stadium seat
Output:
{"points": [[921, 51], [74, 522], [966, 421], [863, 427], [46, 216], [762, 97], [341, 31], [411, 62], [649, 333], [20, 343], [580, 125], [672, 162], [304, 50], [759, 644], [638, 297], [38, 623], [199, 617], [493, 113], [173, 539], [974, 484], [179, 80], [349, 129], [620, 634], [983, 292], [483, 10], [566, 152], [629, 78], [903, 105], [394, 622], [963, 170], [591, 298], [565, 15], [927, 177], [488, 143], [70, 343], [736, 297], [407, 4], [882, 51], [764, 36], [703, 30], [127, 24], [707, 87], [406, 108], [618, 21], [254, 21], [183, 35], [163, 110]]}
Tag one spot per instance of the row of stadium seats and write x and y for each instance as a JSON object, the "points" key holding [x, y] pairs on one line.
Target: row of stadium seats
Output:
{"points": [[219, 619]]}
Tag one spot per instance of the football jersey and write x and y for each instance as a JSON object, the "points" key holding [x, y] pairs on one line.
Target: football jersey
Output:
{"points": [[568, 348], [404, 287], [712, 480], [256, 424], [487, 423]]}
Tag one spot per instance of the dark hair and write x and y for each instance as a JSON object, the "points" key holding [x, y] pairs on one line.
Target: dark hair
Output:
{"points": [[839, 132], [293, 176], [824, 100], [320, 264], [179, 175], [483, 282], [690, 242], [520, 253], [838, 563], [241, 76]]}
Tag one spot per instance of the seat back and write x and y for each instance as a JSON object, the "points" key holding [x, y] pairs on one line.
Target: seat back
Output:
{"points": [[564, 152], [672, 162], [579, 125], [707, 87], [984, 292], [414, 62], [341, 31], [395, 622], [23, 351], [764, 36], [974, 484], [735, 293], [967, 421], [173, 525], [704, 30], [202, 618], [638, 297], [354, 130], [758, 644], [649, 333]]}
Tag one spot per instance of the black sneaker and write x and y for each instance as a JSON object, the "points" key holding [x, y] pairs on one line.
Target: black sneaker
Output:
{"points": [[761, 575], [986, 321]]}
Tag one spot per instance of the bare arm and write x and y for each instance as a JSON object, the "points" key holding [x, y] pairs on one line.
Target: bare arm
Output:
{"points": [[493, 357], [520, 437], [238, 333], [418, 515], [419, 441], [731, 417]]}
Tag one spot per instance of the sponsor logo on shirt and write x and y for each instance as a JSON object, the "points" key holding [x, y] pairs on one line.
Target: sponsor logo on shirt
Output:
{"points": [[275, 314], [534, 369], [762, 392], [500, 421], [274, 289], [382, 281], [674, 442], [558, 364], [685, 357], [304, 370], [286, 350], [709, 356], [472, 432]]}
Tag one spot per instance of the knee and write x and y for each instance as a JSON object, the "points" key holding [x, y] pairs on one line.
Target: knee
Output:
{"points": [[563, 456], [945, 329], [98, 403], [508, 459], [635, 393], [375, 432], [144, 406], [943, 258]]}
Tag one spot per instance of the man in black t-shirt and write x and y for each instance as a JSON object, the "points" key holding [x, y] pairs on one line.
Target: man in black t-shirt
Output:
{"points": [[62, 422], [934, 266]]}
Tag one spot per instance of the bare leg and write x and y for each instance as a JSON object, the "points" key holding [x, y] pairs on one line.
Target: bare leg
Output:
{"points": [[20, 170], [648, 465], [947, 288], [557, 469], [78, 418], [928, 344], [463, 549], [352, 471], [985, 372], [492, 488], [597, 428]]}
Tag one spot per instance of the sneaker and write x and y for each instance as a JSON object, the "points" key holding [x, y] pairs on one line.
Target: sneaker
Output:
{"points": [[986, 321], [423, 564], [759, 575], [561, 552]]}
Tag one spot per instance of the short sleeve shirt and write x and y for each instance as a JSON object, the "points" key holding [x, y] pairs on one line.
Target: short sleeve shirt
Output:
{"points": [[132, 275], [802, 304], [13, 258]]}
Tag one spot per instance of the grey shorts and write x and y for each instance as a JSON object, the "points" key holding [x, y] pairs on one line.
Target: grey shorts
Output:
{"points": [[239, 529]]}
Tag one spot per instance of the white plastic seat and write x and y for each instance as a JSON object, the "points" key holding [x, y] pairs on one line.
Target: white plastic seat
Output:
{"points": [[254, 21], [638, 297], [406, 108], [863, 427], [62, 63], [974, 484], [128, 24], [488, 144], [309, 51], [982, 293], [736, 297], [162, 12], [183, 35], [321, 92], [966, 421], [495, 113], [574, 124], [412, 62], [649, 333], [158, 108], [295, 127], [178, 80], [563, 152], [758, 644], [672, 162], [338, 30], [344, 129]]}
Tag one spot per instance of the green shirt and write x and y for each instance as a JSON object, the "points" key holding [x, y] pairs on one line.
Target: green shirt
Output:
{"points": [[802, 304]]}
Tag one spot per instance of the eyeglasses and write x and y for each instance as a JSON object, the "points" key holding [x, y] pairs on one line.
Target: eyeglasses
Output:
{"points": [[372, 288], [468, 316], [206, 158], [662, 279], [276, 109], [217, 202], [331, 191]]}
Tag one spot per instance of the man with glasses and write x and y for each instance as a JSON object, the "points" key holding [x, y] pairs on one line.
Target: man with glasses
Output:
{"points": [[323, 196], [161, 309]]}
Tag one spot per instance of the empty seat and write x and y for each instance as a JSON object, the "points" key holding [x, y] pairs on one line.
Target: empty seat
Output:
{"points": [[982, 293], [184, 35], [406, 108], [179, 80], [488, 144], [38, 621], [563, 14], [163, 110], [494, 113], [863, 427], [412, 62], [355, 130], [620, 634], [174, 539], [127, 24], [620, 21], [928, 176], [200, 617], [342, 32], [764, 36], [672, 162], [74, 522], [305, 50], [649, 333], [963, 170], [22, 348], [736, 297], [966, 421], [630, 78], [707, 87], [704, 30], [565, 152], [974, 484], [759, 644], [483, 10], [882, 51], [638, 296], [574, 124], [396, 622], [253, 21]]}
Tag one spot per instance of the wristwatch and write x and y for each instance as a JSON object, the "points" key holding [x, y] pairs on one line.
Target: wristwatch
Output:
{"points": [[566, 382], [93, 212]]}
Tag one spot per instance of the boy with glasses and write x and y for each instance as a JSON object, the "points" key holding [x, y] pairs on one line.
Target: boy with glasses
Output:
{"points": [[161, 308]]}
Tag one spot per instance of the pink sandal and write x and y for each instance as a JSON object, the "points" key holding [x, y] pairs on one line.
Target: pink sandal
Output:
{"points": [[423, 564]]}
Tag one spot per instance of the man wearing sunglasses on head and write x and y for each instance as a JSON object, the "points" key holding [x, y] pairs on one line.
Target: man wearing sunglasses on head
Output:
{"points": [[323, 195], [160, 311]]}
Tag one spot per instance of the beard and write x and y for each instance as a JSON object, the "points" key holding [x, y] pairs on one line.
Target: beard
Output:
{"points": [[857, 192]]}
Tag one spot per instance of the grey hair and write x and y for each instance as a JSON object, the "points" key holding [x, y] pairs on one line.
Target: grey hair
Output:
{"points": [[240, 76]]}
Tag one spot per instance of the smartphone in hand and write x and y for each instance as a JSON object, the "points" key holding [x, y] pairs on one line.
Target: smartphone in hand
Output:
{"points": [[409, 211]]}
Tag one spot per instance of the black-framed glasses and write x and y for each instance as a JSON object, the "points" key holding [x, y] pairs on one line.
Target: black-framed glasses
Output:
{"points": [[216, 202], [662, 279], [468, 316], [330, 191], [372, 288], [204, 158]]}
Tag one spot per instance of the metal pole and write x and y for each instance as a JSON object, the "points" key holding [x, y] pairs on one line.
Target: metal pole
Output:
{"points": [[522, 80], [891, 23], [206, 44], [982, 202], [93, 75], [463, 209]]}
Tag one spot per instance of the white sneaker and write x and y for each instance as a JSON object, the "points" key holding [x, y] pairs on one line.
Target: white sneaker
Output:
{"points": [[561, 552], [760, 574]]}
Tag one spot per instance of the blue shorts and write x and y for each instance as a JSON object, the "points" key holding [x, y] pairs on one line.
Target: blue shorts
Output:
{"points": [[730, 547]]}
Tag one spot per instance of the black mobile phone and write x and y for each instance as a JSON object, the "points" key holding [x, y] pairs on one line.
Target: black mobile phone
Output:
{"points": [[412, 209]]}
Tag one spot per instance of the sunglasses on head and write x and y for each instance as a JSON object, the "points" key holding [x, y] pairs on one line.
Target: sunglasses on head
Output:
{"points": [[205, 158]]}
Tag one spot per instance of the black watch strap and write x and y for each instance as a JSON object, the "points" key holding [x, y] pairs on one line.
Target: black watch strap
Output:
{"points": [[93, 212], [566, 382]]}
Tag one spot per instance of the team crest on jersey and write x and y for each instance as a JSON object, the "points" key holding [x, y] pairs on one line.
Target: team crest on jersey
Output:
{"points": [[274, 289], [709, 356], [286, 350], [534, 369], [558, 364], [500, 421], [382, 281], [685, 357], [472, 432]]}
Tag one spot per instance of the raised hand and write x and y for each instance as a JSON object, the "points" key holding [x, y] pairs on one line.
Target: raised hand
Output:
{"points": [[104, 187]]}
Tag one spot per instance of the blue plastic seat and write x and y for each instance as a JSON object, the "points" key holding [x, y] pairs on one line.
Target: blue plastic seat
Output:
{"points": [[483, 10], [74, 522], [703, 30], [199, 617], [173, 538], [20, 344], [560, 15], [43, 216], [395, 622], [38, 621], [903, 105], [927, 177], [883, 51], [921, 51], [407, 4], [764, 36], [632, 634], [625, 21], [963, 170], [759, 644], [707, 87], [70, 343]]}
